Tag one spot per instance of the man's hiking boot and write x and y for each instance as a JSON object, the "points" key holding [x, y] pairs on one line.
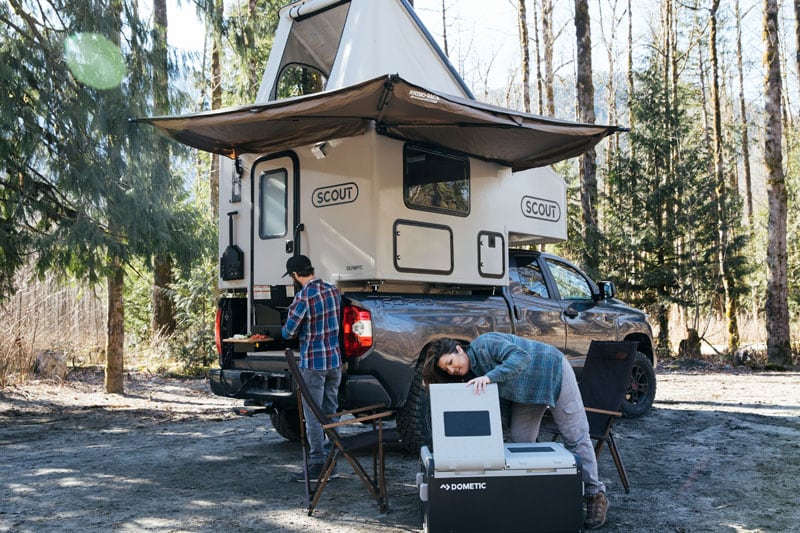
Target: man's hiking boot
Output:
{"points": [[314, 470], [596, 507]]}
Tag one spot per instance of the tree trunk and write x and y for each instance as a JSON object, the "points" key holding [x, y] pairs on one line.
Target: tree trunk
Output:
{"points": [[163, 321], [522, 22], [547, 48], [163, 309], [444, 29], [630, 69], [253, 67], [777, 305], [537, 43], [115, 340], [723, 192], [216, 96], [743, 112], [611, 84], [796, 33], [588, 165], [115, 333]]}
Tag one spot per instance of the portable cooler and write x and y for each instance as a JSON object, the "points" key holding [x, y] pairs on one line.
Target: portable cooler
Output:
{"points": [[473, 482]]}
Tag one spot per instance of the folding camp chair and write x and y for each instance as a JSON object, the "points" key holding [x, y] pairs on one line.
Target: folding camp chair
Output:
{"points": [[344, 445], [604, 382]]}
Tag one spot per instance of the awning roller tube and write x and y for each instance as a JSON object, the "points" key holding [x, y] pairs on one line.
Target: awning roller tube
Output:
{"points": [[309, 8]]}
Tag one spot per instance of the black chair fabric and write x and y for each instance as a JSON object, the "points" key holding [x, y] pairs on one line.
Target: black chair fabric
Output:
{"points": [[604, 382], [606, 376]]}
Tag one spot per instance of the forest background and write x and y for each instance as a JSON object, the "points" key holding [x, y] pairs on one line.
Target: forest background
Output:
{"points": [[108, 232]]}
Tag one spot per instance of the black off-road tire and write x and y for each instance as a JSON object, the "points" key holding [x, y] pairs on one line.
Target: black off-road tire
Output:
{"points": [[287, 423], [642, 390], [414, 418]]}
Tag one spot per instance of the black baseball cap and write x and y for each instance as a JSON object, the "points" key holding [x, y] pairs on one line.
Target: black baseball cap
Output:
{"points": [[297, 263]]}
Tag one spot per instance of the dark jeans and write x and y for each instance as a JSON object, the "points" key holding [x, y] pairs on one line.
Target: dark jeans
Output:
{"points": [[324, 386]]}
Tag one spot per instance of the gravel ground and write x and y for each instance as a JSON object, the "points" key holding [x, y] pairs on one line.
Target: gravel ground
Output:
{"points": [[720, 451]]}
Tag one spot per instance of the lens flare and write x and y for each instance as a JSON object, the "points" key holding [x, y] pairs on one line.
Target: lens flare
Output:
{"points": [[94, 60]]}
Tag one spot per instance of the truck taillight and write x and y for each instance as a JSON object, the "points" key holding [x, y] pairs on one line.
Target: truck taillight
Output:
{"points": [[357, 329], [218, 330]]}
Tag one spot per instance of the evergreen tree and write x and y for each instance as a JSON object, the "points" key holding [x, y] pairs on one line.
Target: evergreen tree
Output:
{"points": [[658, 231], [79, 178]]}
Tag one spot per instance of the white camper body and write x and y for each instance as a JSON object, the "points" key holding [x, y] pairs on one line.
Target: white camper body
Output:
{"points": [[346, 205], [349, 203]]}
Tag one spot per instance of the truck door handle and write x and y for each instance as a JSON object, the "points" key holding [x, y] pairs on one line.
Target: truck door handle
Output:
{"points": [[570, 312]]}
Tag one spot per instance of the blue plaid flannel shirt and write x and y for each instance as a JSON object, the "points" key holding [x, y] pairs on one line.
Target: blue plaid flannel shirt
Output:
{"points": [[314, 313]]}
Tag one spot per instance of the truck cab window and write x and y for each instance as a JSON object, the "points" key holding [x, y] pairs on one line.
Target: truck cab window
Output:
{"points": [[572, 285], [433, 181], [272, 217], [531, 280]]}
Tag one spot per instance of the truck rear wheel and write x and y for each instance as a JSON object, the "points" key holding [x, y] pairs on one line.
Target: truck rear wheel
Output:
{"points": [[414, 418], [287, 423], [642, 390]]}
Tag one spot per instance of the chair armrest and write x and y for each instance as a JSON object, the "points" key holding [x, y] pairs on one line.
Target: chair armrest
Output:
{"points": [[359, 420], [603, 412]]}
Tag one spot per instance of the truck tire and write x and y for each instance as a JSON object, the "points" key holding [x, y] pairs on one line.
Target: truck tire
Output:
{"points": [[287, 423], [642, 391], [414, 418]]}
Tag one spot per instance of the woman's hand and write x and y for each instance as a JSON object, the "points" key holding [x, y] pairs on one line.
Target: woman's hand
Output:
{"points": [[479, 384]]}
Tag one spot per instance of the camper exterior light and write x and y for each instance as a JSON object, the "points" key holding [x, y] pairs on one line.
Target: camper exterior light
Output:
{"points": [[320, 150]]}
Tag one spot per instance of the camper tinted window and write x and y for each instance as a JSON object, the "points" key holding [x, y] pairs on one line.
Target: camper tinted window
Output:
{"points": [[272, 220], [434, 181], [297, 80]]}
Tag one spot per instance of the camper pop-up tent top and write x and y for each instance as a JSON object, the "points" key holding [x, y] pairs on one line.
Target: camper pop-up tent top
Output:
{"points": [[380, 178]]}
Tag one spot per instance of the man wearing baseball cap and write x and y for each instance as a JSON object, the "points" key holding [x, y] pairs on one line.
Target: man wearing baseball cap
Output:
{"points": [[314, 316]]}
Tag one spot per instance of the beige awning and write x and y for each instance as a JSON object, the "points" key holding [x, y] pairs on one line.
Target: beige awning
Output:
{"points": [[398, 109]]}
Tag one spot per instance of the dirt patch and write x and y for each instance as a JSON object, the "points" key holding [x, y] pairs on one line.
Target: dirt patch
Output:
{"points": [[720, 451]]}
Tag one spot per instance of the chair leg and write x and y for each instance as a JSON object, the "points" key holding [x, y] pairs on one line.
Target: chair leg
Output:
{"points": [[327, 469], [304, 451], [598, 447], [383, 499], [612, 447], [377, 484]]}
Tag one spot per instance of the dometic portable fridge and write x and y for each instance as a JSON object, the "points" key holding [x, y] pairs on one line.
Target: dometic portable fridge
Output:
{"points": [[472, 482]]}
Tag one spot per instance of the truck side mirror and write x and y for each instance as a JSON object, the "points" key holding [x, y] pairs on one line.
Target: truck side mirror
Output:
{"points": [[607, 290]]}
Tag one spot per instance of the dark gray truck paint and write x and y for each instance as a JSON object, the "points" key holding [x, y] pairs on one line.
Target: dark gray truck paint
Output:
{"points": [[547, 299]]}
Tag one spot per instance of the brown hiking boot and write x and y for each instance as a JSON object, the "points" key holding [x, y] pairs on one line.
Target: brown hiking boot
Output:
{"points": [[596, 507]]}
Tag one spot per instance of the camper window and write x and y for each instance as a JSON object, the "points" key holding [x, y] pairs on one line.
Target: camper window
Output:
{"points": [[434, 181], [310, 49], [297, 80], [272, 216]]}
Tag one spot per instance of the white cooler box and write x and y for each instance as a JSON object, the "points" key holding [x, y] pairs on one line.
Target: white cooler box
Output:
{"points": [[472, 482]]}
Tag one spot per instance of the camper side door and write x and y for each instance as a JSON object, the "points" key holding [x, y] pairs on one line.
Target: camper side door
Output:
{"points": [[275, 236]]}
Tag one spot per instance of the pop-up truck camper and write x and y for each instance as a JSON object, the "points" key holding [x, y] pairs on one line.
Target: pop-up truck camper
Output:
{"points": [[366, 152]]}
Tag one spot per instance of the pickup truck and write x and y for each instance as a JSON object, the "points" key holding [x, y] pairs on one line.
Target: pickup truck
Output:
{"points": [[386, 334]]}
